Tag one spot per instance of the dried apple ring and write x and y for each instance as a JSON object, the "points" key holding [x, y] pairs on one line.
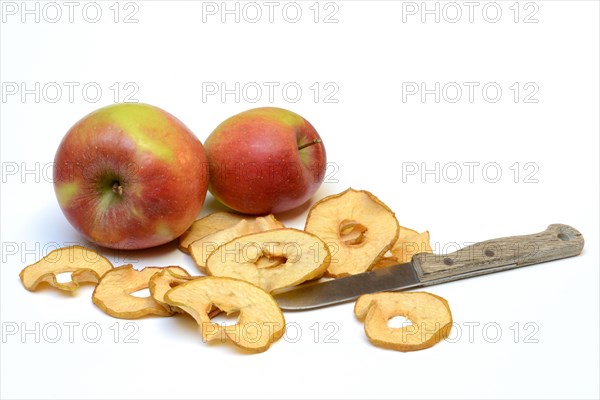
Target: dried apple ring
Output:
{"points": [[84, 264], [358, 228], [271, 260], [113, 293], [201, 248], [205, 226], [430, 316], [260, 322], [409, 243]]}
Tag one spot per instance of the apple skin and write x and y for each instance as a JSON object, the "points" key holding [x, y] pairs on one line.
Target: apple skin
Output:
{"points": [[256, 166], [130, 176]]}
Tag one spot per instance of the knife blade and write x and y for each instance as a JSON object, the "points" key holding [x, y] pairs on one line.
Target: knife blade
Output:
{"points": [[426, 269]]}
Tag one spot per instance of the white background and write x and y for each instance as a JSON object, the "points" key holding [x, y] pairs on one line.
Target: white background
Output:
{"points": [[374, 132]]}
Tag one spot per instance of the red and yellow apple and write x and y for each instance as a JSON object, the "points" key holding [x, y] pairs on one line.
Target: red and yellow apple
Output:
{"points": [[130, 176], [265, 160]]}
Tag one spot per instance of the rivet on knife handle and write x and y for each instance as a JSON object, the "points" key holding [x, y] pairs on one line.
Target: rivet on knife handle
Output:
{"points": [[556, 242]]}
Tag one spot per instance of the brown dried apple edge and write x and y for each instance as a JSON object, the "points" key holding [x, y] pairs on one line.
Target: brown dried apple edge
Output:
{"points": [[271, 260], [260, 322], [430, 317], [85, 265]]}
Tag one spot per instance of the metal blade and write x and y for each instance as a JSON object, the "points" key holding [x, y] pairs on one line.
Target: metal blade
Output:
{"points": [[320, 294]]}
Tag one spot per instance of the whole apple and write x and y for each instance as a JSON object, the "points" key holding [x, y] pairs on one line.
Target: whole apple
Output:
{"points": [[265, 160], [130, 176]]}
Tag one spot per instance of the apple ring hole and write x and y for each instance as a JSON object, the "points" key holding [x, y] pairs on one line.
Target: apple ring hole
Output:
{"points": [[399, 322], [141, 293], [352, 233], [225, 319], [64, 277], [269, 261]]}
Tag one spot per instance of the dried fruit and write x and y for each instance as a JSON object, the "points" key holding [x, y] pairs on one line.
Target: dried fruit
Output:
{"points": [[429, 314], [201, 249], [113, 293], [358, 228], [167, 279], [84, 264], [205, 226], [409, 243], [271, 260], [260, 322]]}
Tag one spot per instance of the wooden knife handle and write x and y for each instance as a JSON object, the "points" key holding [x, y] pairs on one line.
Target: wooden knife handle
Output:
{"points": [[556, 242]]}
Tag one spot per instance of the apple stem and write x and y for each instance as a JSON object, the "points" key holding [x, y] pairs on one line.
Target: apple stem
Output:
{"points": [[305, 145], [117, 188]]}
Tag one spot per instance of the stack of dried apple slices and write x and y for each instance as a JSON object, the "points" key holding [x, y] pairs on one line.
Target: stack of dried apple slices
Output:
{"points": [[172, 290], [248, 258], [360, 233]]}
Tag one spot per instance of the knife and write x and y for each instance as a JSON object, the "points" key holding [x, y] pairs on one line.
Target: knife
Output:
{"points": [[427, 269]]}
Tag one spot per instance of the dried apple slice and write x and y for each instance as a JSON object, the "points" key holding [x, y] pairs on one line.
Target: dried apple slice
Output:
{"points": [[271, 260], [201, 249], [165, 280], [358, 228], [429, 314], [260, 322], [161, 282], [266, 223], [113, 293], [84, 264], [205, 226], [409, 243]]}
